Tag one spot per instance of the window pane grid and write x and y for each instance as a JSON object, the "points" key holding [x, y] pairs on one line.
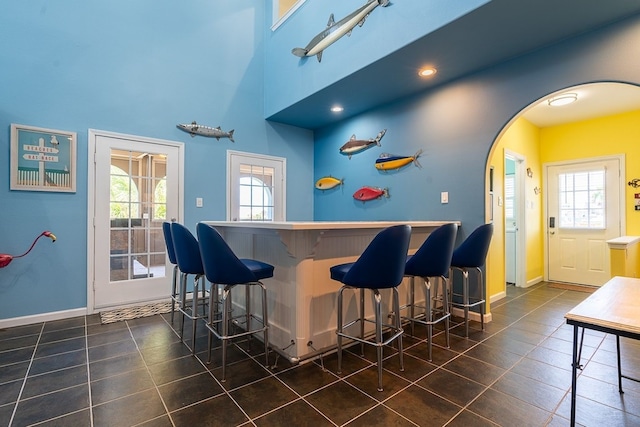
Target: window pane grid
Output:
{"points": [[256, 193], [582, 199]]}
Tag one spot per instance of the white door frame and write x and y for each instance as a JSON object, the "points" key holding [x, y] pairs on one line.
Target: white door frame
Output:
{"points": [[521, 235], [91, 194], [621, 202], [280, 202]]}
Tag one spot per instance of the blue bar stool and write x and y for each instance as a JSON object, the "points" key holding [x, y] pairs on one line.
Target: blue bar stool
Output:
{"points": [[189, 262], [431, 260], [223, 268], [381, 266], [471, 255], [171, 253]]}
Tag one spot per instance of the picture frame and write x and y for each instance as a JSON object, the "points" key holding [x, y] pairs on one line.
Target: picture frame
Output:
{"points": [[42, 159]]}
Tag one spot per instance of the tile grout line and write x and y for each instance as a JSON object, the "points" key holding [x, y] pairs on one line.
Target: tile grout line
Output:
{"points": [[26, 376], [86, 346], [155, 385]]}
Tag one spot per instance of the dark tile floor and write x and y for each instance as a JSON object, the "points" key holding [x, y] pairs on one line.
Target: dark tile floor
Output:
{"points": [[77, 372]]}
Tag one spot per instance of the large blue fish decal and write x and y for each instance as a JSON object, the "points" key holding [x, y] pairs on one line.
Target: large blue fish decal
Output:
{"points": [[335, 30]]}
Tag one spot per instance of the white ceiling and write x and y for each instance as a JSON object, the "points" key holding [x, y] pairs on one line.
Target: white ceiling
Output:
{"points": [[594, 100]]}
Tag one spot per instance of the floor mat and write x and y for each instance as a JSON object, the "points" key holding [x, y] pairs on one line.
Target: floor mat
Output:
{"points": [[135, 312], [572, 287]]}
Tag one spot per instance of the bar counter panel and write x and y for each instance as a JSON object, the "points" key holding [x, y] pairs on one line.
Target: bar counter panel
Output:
{"points": [[302, 296]]}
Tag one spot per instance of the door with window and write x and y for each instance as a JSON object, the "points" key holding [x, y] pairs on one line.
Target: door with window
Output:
{"points": [[137, 187], [256, 187], [583, 201]]}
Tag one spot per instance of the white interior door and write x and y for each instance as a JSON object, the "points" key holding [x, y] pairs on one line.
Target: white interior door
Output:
{"points": [[137, 187], [583, 212], [514, 219]]}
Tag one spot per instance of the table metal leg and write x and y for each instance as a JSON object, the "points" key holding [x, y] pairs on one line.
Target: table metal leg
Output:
{"points": [[619, 365], [574, 372]]}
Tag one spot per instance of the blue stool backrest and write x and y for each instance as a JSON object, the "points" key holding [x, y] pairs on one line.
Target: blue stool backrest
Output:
{"points": [[168, 240], [473, 251], [186, 249], [221, 265], [382, 263], [433, 258]]}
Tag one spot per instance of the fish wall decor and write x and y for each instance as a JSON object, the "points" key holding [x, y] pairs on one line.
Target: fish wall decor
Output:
{"points": [[366, 193], [194, 129], [356, 145], [335, 30], [328, 182], [388, 161]]}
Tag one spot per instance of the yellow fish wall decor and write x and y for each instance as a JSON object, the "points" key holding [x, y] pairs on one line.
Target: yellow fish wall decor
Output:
{"points": [[388, 161], [328, 182]]}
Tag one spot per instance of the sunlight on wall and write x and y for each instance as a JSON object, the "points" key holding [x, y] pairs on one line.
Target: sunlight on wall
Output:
{"points": [[614, 134], [521, 137]]}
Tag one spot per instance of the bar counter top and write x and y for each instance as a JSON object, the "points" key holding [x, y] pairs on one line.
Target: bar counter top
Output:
{"points": [[323, 225]]}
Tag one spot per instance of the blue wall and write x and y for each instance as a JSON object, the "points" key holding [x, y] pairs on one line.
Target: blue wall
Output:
{"points": [[135, 67], [456, 125], [291, 79], [75, 65]]}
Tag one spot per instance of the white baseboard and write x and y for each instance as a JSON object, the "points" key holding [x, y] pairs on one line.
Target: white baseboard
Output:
{"points": [[458, 312], [44, 317], [497, 297], [534, 281]]}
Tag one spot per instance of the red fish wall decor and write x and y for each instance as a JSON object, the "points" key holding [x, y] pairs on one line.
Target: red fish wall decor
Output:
{"points": [[365, 194]]}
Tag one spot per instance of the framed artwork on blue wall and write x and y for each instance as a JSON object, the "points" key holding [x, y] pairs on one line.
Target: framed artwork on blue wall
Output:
{"points": [[42, 159]]}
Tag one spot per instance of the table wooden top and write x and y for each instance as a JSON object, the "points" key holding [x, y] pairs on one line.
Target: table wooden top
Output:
{"points": [[616, 305]]}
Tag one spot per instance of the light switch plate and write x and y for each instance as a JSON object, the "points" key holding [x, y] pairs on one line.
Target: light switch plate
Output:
{"points": [[444, 197]]}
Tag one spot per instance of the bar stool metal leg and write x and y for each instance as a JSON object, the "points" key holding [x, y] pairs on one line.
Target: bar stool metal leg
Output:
{"points": [[379, 341], [174, 291], [398, 324], [340, 329]]}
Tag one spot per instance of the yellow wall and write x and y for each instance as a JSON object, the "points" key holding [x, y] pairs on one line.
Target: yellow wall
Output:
{"points": [[614, 134], [522, 138]]}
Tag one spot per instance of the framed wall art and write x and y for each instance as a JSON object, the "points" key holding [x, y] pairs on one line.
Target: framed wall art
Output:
{"points": [[42, 159]]}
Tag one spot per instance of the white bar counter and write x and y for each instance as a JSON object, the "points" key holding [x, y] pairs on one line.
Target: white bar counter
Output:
{"points": [[302, 296]]}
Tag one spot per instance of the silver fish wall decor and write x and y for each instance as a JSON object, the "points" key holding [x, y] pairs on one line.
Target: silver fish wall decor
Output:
{"points": [[194, 129], [335, 30], [356, 145]]}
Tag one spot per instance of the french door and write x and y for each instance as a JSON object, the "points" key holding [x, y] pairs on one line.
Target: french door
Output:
{"points": [[137, 186], [583, 207]]}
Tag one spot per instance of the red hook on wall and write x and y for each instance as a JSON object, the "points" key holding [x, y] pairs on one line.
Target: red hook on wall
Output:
{"points": [[5, 259]]}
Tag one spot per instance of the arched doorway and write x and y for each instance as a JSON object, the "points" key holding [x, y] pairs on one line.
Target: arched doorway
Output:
{"points": [[599, 123]]}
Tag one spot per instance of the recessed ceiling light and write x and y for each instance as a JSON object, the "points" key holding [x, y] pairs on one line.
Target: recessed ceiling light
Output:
{"points": [[427, 72], [337, 109], [564, 99]]}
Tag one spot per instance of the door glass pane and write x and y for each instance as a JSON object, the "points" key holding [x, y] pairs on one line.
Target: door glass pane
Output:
{"points": [[509, 194], [582, 199], [137, 210], [256, 193]]}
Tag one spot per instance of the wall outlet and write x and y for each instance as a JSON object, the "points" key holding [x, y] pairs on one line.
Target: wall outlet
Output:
{"points": [[444, 197], [198, 202]]}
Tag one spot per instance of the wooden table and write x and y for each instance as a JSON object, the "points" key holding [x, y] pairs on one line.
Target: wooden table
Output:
{"points": [[613, 309]]}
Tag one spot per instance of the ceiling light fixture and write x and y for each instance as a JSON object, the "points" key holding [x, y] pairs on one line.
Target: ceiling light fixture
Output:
{"points": [[427, 72], [564, 99], [337, 109]]}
